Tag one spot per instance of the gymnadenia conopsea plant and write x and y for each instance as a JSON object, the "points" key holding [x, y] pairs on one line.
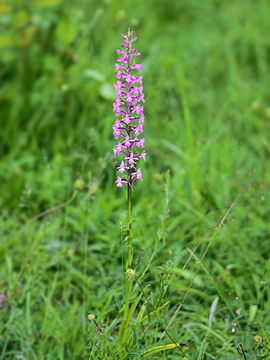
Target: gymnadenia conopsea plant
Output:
{"points": [[128, 126], [127, 130]]}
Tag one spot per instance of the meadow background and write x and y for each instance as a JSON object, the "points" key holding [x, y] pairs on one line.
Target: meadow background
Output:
{"points": [[201, 216]]}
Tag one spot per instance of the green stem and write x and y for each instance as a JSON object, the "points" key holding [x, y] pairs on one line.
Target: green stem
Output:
{"points": [[128, 288], [129, 228]]}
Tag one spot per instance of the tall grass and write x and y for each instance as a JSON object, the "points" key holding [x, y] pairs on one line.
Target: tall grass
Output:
{"points": [[203, 234]]}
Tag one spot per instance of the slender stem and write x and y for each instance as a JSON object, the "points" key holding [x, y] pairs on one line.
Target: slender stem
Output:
{"points": [[43, 213], [128, 288], [129, 227]]}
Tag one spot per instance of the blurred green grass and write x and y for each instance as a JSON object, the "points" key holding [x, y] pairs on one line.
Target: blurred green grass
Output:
{"points": [[206, 80]]}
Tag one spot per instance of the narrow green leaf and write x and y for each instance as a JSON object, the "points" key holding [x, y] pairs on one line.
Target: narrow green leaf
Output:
{"points": [[158, 349], [252, 312]]}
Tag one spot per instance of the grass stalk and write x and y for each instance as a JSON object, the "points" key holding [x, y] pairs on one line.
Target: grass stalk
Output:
{"points": [[178, 345]]}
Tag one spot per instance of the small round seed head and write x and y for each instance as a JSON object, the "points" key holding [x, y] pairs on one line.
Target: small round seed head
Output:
{"points": [[257, 338], [79, 184], [91, 317], [130, 273]]}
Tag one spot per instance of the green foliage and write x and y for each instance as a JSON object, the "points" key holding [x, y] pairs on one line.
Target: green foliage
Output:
{"points": [[201, 216]]}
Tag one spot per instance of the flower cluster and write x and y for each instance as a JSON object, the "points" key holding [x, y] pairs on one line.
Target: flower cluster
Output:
{"points": [[129, 112]]}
